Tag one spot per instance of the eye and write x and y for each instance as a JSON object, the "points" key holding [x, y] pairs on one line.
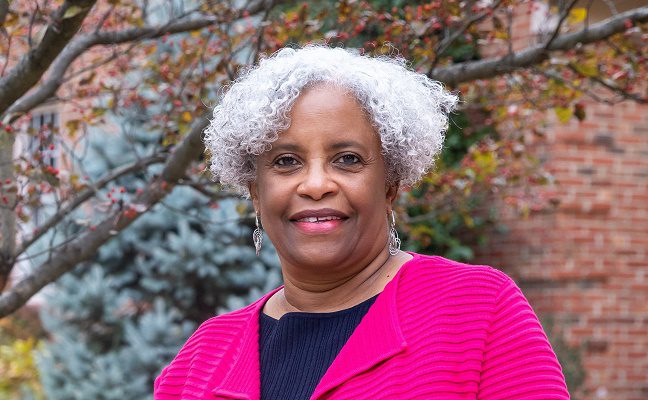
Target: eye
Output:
{"points": [[286, 161], [349, 159]]}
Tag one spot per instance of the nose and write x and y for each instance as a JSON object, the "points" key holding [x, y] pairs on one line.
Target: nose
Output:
{"points": [[316, 182]]}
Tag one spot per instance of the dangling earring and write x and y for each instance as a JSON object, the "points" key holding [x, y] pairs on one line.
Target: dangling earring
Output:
{"points": [[394, 241], [257, 236]]}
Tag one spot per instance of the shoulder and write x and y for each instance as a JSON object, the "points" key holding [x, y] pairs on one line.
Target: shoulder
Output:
{"points": [[439, 271], [436, 286]]}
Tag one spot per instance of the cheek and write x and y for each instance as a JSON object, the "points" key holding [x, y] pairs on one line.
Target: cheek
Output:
{"points": [[272, 196]]}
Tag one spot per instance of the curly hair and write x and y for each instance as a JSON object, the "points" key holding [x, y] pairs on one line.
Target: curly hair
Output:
{"points": [[408, 110]]}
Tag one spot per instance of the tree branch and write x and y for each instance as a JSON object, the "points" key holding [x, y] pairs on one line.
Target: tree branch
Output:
{"points": [[86, 194], [472, 70], [611, 86], [66, 21], [81, 44], [85, 246], [447, 42], [4, 10], [563, 16]]}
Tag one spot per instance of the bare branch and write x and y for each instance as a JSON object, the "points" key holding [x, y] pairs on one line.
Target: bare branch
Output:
{"points": [[488, 68], [85, 246], [564, 13], [612, 87], [86, 194], [34, 63], [4, 10], [81, 44], [213, 195], [611, 6], [556, 77], [447, 42]]}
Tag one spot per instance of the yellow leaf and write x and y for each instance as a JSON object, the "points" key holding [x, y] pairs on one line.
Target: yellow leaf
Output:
{"points": [[11, 20], [241, 208], [73, 126], [72, 12], [577, 15], [564, 114], [589, 68], [186, 116]]}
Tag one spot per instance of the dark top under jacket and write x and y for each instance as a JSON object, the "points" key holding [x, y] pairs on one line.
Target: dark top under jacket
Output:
{"points": [[296, 350]]}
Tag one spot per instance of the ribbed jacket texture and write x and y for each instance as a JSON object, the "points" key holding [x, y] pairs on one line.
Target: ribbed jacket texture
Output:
{"points": [[439, 330]]}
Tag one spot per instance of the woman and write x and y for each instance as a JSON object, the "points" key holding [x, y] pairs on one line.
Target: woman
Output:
{"points": [[321, 139]]}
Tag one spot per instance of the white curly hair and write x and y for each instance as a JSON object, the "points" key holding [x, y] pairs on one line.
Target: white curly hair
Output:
{"points": [[408, 110]]}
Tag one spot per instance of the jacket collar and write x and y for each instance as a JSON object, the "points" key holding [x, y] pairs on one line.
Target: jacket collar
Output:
{"points": [[378, 337]]}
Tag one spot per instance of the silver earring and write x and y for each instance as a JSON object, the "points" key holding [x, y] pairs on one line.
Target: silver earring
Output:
{"points": [[257, 236], [394, 241]]}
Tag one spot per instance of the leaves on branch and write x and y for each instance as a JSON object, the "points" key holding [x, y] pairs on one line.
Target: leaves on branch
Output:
{"points": [[111, 57]]}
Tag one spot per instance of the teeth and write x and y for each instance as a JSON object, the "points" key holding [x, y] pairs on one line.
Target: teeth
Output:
{"points": [[317, 219]]}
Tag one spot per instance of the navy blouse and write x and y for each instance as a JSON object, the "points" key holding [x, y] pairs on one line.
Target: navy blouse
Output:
{"points": [[297, 349]]}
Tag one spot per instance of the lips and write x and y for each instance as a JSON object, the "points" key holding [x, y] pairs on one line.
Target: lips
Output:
{"points": [[317, 219], [323, 214], [318, 222]]}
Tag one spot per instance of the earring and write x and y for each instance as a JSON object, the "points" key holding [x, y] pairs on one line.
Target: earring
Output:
{"points": [[394, 241], [257, 236]]}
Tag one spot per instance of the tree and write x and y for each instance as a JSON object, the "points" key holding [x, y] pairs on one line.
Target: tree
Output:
{"points": [[79, 52], [115, 321]]}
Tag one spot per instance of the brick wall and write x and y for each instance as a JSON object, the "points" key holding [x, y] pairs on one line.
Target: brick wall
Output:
{"points": [[586, 264]]}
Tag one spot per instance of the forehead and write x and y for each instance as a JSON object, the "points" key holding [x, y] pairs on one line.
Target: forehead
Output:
{"points": [[327, 115]]}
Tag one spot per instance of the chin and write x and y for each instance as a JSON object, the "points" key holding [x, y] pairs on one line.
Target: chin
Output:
{"points": [[319, 255]]}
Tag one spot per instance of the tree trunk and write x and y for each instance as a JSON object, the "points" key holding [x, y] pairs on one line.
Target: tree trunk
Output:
{"points": [[7, 202]]}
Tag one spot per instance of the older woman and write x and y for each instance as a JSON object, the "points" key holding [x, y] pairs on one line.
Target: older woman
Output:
{"points": [[321, 139]]}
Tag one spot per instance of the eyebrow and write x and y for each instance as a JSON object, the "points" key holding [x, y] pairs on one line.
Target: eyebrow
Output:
{"points": [[285, 147], [334, 146], [347, 143]]}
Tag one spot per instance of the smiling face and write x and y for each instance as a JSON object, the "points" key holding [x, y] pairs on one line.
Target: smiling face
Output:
{"points": [[321, 190]]}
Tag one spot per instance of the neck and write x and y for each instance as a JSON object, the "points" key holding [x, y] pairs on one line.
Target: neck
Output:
{"points": [[328, 294]]}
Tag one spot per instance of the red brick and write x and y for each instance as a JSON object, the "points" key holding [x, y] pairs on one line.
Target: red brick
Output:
{"points": [[592, 252]]}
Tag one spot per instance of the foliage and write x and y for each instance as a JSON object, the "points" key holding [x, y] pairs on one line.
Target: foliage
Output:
{"points": [[127, 312], [95, 58], [452, 208], [569, 356], [20, 338], [166, 248]]}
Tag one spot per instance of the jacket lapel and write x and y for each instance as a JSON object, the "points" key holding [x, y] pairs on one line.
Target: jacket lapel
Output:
{"points": [[243, 379], [377, 338]]}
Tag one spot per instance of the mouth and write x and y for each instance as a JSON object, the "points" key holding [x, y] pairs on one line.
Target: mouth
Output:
{"points": [[314, 216], [317, 219], [321, 221]]}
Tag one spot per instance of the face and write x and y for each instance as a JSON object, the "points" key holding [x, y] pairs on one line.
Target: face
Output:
{"points": [[321, 191]]}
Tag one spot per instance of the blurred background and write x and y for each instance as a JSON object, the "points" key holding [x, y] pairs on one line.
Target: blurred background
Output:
{"points": [[116, 244]]}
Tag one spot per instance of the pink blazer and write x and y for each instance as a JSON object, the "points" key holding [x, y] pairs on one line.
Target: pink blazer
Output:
{"points": [[439, 330]]}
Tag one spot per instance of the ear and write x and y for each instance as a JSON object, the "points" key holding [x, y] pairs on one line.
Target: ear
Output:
{"points": [[254, 195], [391, 190]]}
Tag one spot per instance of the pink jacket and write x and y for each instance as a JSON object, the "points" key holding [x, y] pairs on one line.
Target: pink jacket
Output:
{"points": [[439, 330]]}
